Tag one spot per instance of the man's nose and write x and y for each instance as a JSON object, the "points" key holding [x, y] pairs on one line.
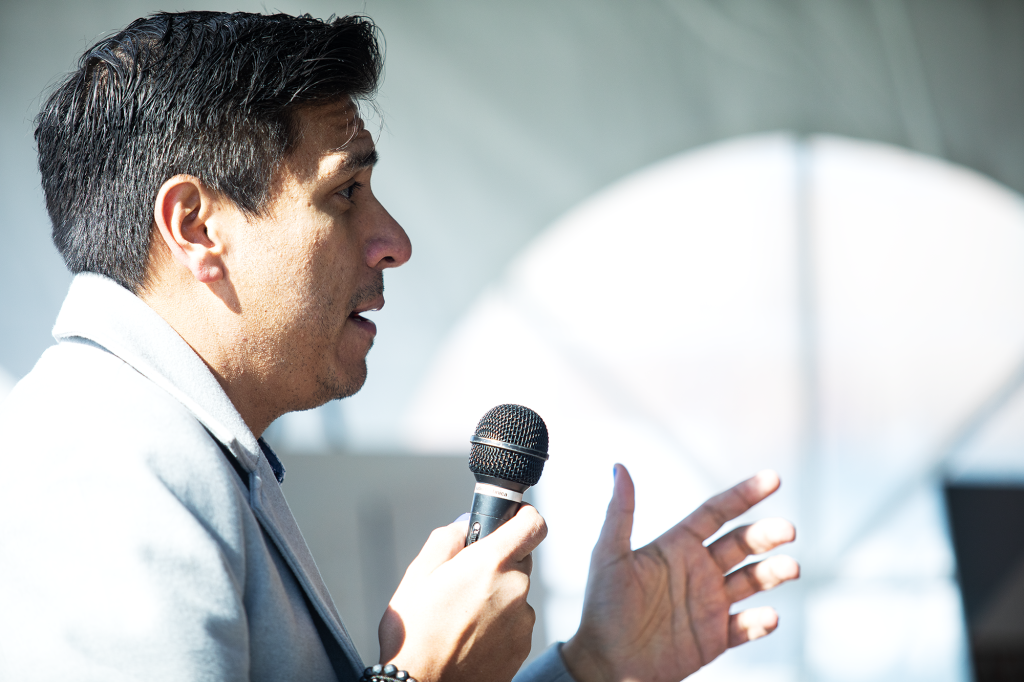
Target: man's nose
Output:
{"points": [[389, 246]]}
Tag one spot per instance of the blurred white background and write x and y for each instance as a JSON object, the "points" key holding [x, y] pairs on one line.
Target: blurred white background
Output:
{"points": [[691, 291], [837, 310]]}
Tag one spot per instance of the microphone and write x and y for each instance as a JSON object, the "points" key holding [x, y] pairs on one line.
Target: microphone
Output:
{"points": [[510, 446]]}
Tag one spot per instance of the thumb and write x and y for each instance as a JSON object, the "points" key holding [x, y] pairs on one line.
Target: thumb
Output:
{"points": [[442, 545], [618, 521], [517, 537]]}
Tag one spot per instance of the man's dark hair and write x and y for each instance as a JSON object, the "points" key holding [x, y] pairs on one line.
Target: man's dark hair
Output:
{"points": [[206, 94]]}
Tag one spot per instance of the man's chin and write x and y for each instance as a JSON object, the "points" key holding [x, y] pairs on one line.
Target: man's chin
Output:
{"points": [[339, 388], [330, 386]]}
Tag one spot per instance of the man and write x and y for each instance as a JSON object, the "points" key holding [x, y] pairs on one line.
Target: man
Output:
{"points": [[208, 179]]}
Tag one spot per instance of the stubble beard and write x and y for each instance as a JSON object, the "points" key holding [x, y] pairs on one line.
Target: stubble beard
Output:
{"points": [[330, 385]]}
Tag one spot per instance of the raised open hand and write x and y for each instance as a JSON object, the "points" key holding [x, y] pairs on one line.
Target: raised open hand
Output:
{"points": [[661, 612]]}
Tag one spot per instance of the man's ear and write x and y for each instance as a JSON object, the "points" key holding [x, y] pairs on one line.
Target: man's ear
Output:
{"points": [[184, 214]]}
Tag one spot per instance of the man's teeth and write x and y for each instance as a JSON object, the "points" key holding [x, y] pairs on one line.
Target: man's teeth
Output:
{"points": [[360, 314]]}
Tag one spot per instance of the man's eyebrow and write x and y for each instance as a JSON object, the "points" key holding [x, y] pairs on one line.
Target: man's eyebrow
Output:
{"points": [[354, 162]]}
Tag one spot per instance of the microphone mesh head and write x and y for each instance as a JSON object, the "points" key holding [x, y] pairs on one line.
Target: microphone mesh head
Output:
{"points": [[516, 425]]}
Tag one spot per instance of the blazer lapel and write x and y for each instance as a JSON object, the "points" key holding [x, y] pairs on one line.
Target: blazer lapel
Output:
{"points": [[273, 513]]}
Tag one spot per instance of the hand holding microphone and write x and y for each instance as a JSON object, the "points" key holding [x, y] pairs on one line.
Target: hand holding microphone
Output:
{"points": [[460, 612]]}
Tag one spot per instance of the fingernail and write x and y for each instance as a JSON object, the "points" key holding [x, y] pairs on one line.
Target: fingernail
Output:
{"points": [[615, 472], [464, 517]]}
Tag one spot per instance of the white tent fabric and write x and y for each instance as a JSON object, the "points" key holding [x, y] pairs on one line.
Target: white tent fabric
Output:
{"points": [[6, 383], [499, 117], [845, 312]]}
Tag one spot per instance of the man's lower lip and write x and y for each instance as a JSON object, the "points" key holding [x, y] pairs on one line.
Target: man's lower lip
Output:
{"points": [[364, 323]]}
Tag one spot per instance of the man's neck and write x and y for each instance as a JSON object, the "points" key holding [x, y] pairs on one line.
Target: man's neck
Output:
{"points": [[206, 317]]}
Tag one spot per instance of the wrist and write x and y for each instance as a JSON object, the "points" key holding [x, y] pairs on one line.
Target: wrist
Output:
{"points": [[385, 673], [415, 667], [582, 663]]}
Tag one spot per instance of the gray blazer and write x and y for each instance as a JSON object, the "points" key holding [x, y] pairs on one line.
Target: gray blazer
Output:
{"points": [[131, 548]]}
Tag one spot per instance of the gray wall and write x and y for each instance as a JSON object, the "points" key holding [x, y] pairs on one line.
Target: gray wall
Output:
{"points": [[366, 518]]}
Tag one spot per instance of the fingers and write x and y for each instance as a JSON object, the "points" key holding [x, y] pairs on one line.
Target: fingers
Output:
{"points": [[764, 575], [526, 565], [618, 520], [517, 537], [757, 538], [710, 516], [443, 544], [751, 624]]}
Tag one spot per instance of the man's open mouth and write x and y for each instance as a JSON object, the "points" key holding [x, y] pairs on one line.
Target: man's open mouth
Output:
{"points": [[370, 306]]}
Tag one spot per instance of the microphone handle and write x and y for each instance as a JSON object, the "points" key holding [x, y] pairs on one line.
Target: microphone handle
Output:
{"points": [[488, 514]]}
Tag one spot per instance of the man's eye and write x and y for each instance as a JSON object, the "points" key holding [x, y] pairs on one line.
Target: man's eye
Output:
{"points": [[347, 192]]}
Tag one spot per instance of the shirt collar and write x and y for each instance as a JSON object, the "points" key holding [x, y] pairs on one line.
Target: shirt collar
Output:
{"points": [[100, 310]]}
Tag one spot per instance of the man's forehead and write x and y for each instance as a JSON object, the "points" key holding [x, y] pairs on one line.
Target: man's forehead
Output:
{"points": [[334, 135], [339, 111], [343, 117], [337, 119]]}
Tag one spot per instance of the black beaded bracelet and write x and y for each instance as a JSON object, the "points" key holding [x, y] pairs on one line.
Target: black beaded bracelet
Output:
{"points": [[385, 673]]}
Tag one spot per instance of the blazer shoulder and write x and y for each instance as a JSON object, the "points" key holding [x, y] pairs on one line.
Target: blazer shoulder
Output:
{"points": [[83, 413]]}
